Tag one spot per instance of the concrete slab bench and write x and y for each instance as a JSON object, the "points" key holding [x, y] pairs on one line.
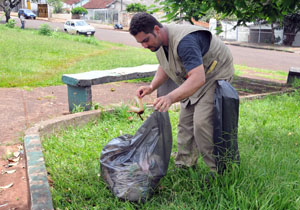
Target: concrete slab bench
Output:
{"points": [[79, 85]]}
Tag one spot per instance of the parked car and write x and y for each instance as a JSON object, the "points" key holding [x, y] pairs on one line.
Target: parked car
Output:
{"points": [[78, 27], [27, 13]]}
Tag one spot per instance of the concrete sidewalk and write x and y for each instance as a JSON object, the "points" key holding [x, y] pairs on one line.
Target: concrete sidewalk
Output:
{"points": [[265, 46]]}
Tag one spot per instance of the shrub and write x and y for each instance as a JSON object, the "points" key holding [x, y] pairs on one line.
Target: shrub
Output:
{"points": [[11, 23], [45, 30], [79, 10], [136, 7]]}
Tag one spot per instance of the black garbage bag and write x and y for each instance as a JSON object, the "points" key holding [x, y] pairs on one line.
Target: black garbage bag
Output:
{"points": [[132, 166], [226, 115]]}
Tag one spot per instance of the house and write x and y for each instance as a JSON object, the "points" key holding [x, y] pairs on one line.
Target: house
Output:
{"points": [[111, 11], [70, 4]]}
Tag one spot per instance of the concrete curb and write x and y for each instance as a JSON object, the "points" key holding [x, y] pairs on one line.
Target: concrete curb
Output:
{"points": [[261, 47], [39, 190]]}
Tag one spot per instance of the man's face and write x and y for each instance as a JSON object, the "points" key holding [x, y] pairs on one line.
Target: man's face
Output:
{"points": [[150, 40]]}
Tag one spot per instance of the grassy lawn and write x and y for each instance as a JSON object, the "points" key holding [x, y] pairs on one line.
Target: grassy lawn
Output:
{"points": [[30, 59], [268, 177], [241, 70]]}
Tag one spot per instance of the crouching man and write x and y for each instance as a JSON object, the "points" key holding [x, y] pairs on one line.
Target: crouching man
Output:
{"points": [[194, 59]]}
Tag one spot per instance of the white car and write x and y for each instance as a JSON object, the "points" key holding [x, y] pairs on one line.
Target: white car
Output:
{"points": [[78, 27]]}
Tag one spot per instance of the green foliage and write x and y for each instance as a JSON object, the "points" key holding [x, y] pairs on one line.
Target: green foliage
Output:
{"points": [[79, 10], [57, 4], [296, 83], [268, 177], [245, 10], [77, 108], [136, 7], [11, 23], [80, 108], [45, 30]]}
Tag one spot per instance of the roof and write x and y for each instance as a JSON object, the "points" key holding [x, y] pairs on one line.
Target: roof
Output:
{"points": [[97, 4], [70, 2]]}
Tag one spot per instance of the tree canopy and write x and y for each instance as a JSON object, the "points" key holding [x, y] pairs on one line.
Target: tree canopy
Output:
{"points": [[245, 11], [136, 7]]}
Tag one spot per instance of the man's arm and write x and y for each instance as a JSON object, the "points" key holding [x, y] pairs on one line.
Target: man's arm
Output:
{"points": [[195, 80], [159, 78]]}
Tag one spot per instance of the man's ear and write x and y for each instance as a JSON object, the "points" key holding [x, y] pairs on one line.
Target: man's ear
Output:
{"points": [[156, 29]]}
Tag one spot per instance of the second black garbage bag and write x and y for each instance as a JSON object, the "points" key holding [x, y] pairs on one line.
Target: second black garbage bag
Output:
{"points": [[132, 166]]}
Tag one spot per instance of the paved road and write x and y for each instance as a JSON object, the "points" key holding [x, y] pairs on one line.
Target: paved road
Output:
{"points": [[251, 57]]}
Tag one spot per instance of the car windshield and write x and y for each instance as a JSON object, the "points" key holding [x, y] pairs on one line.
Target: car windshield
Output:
{"points": [[81, 23], [27, 10]]}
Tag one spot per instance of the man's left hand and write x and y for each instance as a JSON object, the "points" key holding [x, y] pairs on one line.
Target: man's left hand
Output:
{"points": [[163, 103]]}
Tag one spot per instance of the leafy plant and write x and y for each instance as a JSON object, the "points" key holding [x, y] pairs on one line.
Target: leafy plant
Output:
{"points": [[11, 23], [45, 30], [296, 83], [136, 7], [80, 108], [79, 10], [77, 108]]}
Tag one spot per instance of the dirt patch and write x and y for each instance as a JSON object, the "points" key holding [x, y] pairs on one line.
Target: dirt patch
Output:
{"points": [[15, 196], [257, 85]]}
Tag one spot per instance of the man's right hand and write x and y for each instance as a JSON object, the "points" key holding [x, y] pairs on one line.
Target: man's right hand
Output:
{"points": [[144, 90]]}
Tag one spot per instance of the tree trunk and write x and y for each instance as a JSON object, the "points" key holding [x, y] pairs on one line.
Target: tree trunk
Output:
{"points": [[273, 34], [289, 39], [7, 11]]}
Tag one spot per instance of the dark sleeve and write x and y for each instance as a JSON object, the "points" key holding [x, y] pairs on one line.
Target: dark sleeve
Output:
{"points": [[192, 48]]}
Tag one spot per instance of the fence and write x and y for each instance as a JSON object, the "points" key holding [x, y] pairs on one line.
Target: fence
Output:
{"points": [[107, 16], [253, 34]]}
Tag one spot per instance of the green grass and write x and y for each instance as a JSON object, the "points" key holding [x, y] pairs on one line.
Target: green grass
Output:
{"points": [[30, 59], [268, 177], [240, 70]]}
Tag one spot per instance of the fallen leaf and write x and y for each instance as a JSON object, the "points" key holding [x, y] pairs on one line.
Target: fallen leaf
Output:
{"points": [[7, 186], [16, 154], [14, 159], [130, 118], [12, 164], [3, 205], [10, 171], [112, 89], [20, 147]]}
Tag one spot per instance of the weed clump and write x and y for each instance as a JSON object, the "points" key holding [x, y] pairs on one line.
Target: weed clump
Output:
{"points": [[45, 30]]}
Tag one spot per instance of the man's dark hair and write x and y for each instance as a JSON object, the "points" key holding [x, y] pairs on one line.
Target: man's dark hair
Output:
{"points": [[143, 22]]}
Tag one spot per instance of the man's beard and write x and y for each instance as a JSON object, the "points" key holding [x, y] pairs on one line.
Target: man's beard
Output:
{"points": [[153, 49]]}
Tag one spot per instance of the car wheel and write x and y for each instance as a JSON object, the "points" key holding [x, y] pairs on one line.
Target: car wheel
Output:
{"points": [[34, 18], [77, 32]]}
